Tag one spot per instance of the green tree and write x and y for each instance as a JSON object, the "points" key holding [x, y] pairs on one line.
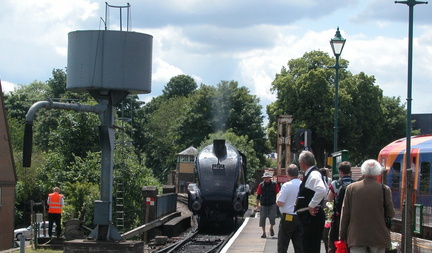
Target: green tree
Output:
{"points": [[79, 201], [127, 166], [181, 85], [197, 124], [18, 102], [226, 106], [76, 135], [362, 98], [16, 131], [394, 116], [66, 151], [178, 87], [172, 123], [163, 143], [57, 84], [305, 90]]}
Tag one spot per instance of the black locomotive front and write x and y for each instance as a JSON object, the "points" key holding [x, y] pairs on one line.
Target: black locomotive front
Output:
{"points": [[221, 192]]}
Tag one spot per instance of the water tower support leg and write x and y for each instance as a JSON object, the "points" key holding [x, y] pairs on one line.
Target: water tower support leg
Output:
{"points": [[104, 230]]}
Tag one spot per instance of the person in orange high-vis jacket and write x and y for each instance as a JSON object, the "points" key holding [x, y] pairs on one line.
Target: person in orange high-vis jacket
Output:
{"points": [[55, 204]]}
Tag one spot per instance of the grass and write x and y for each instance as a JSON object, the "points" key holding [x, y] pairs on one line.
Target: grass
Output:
{"points": [[30, 249], [252, 201]]}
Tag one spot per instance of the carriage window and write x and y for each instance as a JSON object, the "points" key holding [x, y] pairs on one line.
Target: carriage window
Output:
{"points": [[395, 176], [424, 177]]}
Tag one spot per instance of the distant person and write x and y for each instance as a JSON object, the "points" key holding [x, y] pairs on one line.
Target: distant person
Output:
{"points": [[344, 180], [309, 206], [289, 226], [55, 204], [266, 199], [365, 204], [326, 172]]}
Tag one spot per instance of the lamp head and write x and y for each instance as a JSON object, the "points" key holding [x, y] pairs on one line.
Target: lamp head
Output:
{"points": [[337, 43]]}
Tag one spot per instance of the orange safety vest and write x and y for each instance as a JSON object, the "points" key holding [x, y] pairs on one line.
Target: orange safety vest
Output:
{"points": [[55, 202]]}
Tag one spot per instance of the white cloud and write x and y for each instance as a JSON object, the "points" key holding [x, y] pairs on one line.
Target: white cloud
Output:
{"points": [[163, 71], [8, 86], [245, 41]]}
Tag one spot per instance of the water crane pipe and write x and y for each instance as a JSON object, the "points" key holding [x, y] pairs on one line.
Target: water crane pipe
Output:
{"points": [[31, 114]]}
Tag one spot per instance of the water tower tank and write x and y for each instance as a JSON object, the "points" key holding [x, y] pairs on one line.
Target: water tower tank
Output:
{"points": [[109, 60]]}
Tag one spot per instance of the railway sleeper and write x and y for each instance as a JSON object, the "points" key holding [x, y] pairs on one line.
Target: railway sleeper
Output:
{"points": [[176, 226]]}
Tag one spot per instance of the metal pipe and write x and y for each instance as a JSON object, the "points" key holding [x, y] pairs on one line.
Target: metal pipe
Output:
{"points": [[99, 108], [31, 114]]}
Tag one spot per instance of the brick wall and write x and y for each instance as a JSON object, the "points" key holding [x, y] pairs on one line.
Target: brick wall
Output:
{"points": [[7, 216]]}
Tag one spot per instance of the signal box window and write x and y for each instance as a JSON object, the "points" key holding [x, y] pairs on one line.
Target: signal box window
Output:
{"points": [[395, 177], [424, 177], [186, 159]]}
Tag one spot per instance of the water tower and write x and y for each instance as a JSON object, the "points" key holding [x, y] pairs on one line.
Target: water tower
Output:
{"points": [[109, 65]]}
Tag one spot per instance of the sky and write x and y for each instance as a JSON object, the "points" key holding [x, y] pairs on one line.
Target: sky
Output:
{"points": [[247, 41]]}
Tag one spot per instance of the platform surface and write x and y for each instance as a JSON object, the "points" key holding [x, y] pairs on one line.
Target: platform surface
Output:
{"points": [[248, 239]]}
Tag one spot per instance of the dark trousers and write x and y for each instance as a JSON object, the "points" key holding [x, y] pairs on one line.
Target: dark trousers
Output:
{"points": [[54, 218], [289, 230], [334, 233], [312, 228], [325, 238]]}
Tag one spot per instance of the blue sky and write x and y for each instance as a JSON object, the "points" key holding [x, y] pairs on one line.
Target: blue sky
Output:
{"points": [[243, 40]]}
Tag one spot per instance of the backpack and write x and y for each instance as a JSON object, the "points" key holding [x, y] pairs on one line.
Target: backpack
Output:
{"points": [[341, 185]]}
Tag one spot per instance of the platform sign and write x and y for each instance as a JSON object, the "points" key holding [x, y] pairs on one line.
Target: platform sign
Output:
{"points": [[418, 218]]}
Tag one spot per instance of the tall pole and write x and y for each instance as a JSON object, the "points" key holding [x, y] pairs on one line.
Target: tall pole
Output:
{"points": [[337, 44], [336, 106], [407, 236]]}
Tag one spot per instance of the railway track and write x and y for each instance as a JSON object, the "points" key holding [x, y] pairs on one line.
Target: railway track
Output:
{"points": [[199, 242], [211, 240]]}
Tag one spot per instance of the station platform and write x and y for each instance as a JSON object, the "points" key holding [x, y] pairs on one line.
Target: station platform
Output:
{"points": [[248, 239]]}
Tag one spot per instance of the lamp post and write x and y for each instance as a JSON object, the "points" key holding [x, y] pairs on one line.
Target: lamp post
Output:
{"points": [[407, 214], [337, 44]]}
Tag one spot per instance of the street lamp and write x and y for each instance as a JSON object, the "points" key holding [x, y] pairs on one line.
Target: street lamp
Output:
{"points": [[337, 44]]}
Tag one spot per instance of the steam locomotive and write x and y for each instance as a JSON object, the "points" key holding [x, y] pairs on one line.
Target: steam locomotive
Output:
{"points": [[221, 192]]}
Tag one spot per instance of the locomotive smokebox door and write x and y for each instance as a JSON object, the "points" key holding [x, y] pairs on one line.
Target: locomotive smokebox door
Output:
{"points": [[219, 148]]}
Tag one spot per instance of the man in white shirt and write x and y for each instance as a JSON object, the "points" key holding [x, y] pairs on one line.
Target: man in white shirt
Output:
{"points": [[309, 206], [289, 226]]}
